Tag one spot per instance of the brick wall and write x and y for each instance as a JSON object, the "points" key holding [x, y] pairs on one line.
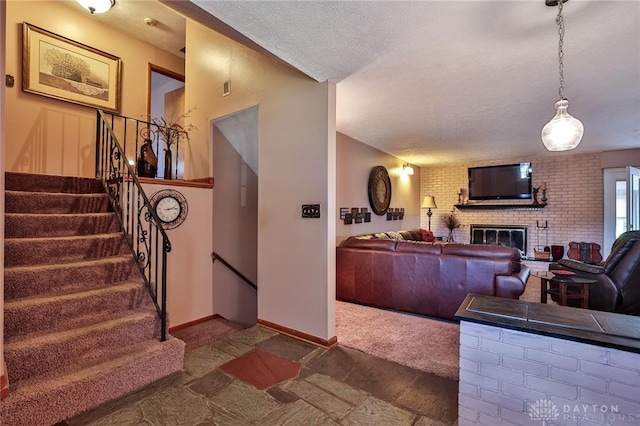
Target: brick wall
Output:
{"points": [[574, 196], [505, 375]]}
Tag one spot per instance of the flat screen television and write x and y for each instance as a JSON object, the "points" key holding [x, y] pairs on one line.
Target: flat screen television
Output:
{"points": [[506, 182]]}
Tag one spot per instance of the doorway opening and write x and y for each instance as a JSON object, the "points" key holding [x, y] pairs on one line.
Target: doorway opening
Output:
{"points": [[166, 99], [234, 165], [621, 203]]}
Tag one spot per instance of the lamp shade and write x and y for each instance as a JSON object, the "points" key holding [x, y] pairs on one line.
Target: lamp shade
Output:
{"points": [[429, 202], [97, 6], [564, 131]]}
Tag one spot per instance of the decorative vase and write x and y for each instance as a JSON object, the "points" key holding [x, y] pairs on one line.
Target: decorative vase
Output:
{"points": [[167, 164], [557, 252], [451, 238], [147, 162]]}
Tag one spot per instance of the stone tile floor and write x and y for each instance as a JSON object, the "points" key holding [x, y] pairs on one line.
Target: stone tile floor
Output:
{"points": [[337, 386]]}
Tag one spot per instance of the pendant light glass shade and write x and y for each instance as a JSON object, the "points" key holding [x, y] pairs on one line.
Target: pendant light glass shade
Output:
{"points": [[97, 6], [563, 132]]}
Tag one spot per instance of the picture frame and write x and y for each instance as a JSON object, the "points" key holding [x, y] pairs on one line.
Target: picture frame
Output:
{"points": [[64, 69]]}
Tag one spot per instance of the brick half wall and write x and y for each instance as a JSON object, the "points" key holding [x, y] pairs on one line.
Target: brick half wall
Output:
{"points": [[510, 377]]}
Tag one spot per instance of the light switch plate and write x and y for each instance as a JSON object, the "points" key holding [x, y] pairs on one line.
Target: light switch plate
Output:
{"points": [[311, 211]]}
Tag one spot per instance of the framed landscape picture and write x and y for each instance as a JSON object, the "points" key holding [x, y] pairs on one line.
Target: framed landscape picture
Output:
{"points": [[64, 69]]}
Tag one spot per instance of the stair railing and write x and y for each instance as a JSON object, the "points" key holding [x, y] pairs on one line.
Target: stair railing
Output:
{"points": [[215, 256], [139, 222]]}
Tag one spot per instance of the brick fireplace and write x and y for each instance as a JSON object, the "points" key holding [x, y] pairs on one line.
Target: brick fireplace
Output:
{"points": [[504, 235]]}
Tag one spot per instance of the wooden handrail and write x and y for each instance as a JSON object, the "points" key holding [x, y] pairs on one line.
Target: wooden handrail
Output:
{"points": [[215, 256]]}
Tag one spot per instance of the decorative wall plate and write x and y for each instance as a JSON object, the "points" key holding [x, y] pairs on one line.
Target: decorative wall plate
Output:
{"points": [[379, 190]]}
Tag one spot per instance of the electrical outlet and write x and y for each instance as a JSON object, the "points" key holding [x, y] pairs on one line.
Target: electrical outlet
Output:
{"points": [[311, 211]]}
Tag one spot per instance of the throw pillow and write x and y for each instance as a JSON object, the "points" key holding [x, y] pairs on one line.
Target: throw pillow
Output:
{"points": [[394, 235], [427, 236]]}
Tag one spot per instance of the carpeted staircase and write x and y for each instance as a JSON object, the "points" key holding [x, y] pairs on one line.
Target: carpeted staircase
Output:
{"points": [[80, 327]]}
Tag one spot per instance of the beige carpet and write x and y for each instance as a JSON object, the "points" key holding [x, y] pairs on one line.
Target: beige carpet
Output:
{"points": [[429, 345], [532, 292]]}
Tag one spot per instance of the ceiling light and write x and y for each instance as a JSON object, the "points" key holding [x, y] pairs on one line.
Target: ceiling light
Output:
{"points": [[564, 131], [97, 6], [407, 169]]}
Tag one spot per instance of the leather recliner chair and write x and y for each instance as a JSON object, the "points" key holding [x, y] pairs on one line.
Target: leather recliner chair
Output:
{"points": [[618, 286]]}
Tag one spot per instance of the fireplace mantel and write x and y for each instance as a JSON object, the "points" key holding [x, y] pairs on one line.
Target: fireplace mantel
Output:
{"points": [[499, 206]]}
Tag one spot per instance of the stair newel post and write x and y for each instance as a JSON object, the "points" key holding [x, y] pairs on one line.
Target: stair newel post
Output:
{"points": [[98, 139], [166, 247]]}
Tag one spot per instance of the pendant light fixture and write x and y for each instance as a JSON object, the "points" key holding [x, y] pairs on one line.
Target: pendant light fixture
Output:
{"points": [[97, 6], [564, 131]]}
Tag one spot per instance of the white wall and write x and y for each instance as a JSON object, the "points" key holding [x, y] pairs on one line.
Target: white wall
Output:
{"points": [[50, 136], [189, 289], [296, 155], [354, 163], [2, 169]]}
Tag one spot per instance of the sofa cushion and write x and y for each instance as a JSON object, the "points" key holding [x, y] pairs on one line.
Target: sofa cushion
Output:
{"points": [[373, 244], [490, 251], [411, 234], [418, 247]]}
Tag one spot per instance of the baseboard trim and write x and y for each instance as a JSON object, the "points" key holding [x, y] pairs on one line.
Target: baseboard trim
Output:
{"points": [[4, 383], [194, 322], [299, 334]]}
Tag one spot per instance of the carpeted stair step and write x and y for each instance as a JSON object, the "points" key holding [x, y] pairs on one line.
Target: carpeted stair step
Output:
{"points": [[37, 315], [20, 225], [51, 250], [49, 400], [61, 203], [51, 183], [80, 326], [27, 281], [75, 349]]}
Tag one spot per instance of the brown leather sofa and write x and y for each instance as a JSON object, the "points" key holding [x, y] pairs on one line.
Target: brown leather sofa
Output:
{"points": [[427, 278]]}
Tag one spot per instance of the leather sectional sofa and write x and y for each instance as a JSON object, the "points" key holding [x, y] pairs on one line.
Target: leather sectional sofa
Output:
{"points": [[397, 270]]}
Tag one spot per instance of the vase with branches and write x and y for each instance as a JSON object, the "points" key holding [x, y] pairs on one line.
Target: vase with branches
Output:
{"points": [[451, 222], [171, 130]]}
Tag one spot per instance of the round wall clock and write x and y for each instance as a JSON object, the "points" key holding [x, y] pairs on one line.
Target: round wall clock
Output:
{"points": [[379, 190], [170, 206]]}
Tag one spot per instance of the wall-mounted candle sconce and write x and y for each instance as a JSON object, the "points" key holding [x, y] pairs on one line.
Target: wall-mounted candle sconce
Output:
{"points": [[407, 169]]}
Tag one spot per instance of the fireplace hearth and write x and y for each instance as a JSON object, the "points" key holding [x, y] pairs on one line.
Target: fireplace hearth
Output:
{"points": [[504, 235]]}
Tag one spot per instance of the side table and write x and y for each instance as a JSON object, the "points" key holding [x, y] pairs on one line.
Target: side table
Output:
{"points": [[567, 287]]}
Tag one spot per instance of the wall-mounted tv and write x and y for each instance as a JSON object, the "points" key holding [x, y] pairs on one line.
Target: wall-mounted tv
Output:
{"points": [[506, 182]]}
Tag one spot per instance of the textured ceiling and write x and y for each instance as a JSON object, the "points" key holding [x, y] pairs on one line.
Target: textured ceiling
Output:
{"points": [[128, 17], [445, 82]]}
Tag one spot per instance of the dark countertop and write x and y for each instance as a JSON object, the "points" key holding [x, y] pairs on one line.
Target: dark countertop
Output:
{"points": [[581, 325]]}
